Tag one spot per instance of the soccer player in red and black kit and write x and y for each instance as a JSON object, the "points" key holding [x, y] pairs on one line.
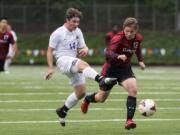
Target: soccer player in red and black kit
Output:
{"points": [[6, 39], [118, 64]]}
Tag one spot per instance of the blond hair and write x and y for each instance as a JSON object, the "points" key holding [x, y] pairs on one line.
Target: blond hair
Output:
{"points": [[72, 12], [131, 22]]}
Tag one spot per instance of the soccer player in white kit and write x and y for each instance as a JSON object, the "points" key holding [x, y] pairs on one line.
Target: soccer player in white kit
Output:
{"points": [[11, 52], [66, 43]]}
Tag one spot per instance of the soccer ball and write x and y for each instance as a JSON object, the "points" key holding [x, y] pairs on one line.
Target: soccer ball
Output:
{"points": [[147, 107]]}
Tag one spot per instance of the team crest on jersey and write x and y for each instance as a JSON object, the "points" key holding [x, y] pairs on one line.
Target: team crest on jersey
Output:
{"points": [[77, 37], [135, 44], [6, 37]]}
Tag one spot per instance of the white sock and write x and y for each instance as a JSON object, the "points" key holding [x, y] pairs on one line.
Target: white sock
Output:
{"points": [[71, 100], [89, 73], [7, 64]]}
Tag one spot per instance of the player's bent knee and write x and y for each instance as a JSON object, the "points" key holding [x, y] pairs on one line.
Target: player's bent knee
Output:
{"points": [[102, 100], [80, 95], [107, 88], [82, 65]]}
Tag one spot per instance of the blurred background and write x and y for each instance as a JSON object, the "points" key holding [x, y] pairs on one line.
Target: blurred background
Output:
{"points": [[34, 20]]}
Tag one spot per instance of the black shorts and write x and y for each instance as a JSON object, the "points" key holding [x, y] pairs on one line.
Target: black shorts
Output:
{"points": [[2, 65], [121, 73]]}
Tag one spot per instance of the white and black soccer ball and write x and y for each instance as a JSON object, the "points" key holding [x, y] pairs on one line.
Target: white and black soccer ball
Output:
{"points": [[147, 107]]}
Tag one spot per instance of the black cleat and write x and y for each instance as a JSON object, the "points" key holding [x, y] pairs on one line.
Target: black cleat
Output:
{"points": [[62, 114], [107, 81]]}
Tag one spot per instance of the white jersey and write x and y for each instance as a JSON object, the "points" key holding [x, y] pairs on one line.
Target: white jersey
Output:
{"points": [[11, 53], [66, 43]]}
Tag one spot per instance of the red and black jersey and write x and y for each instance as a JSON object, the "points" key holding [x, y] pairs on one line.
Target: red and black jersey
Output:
{"points": [[109, 36], [121, 45], [5, 40]]}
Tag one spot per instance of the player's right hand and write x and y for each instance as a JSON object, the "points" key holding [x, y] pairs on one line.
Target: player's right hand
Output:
{"points": [[122, 57], [142, 65], [49, 73]]}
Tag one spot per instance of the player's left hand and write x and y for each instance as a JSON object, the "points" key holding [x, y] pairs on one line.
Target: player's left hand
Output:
{"points": [[83, 52], [142, 65]]}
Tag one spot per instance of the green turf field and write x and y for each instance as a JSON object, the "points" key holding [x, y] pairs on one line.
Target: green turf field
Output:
{"points": [[28, 103]]}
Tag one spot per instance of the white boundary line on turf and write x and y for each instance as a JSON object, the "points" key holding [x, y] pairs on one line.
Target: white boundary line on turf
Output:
{"points": [[159, 99], [29, 85], [65, 85], [84, 121], [77, 109], [67, 93], [55, 101]]}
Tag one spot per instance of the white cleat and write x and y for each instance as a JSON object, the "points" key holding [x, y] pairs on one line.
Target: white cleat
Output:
{"points": [[6, 72], [62, 122]]}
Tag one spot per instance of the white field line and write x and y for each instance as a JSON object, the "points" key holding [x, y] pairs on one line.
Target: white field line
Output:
{"points": [[67, 93], [67, 87], [158, 77], [59, 83], [139, 77], [163, 100], [60, 87], [78, 109], [85, 121], [55, 101]]}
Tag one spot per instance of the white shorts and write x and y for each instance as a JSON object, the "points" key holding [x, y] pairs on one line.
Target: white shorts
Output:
{"points": [[65, 65], [10, 52]]}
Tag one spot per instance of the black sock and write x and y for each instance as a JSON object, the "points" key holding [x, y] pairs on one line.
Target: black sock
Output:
{"points": [[62, 112], [98, 78], [91, 98], [65, 108], [131, 107]]}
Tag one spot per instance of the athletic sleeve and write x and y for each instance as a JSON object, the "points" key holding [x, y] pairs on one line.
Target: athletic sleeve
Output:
{"points": [[139, 53], [111, 50], [11, 39], [14, 35], [81, 41], [54, 40]]}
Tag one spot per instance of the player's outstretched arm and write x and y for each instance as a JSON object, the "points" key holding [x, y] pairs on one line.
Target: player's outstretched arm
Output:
{"points": [[14, 48], [50, 63]]}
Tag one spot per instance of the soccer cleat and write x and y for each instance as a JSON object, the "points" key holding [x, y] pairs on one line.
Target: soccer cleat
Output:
{"points": [[6, 72], [62, 114], [107, 81], [130, 124], [62, 122], [84, 106]]}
